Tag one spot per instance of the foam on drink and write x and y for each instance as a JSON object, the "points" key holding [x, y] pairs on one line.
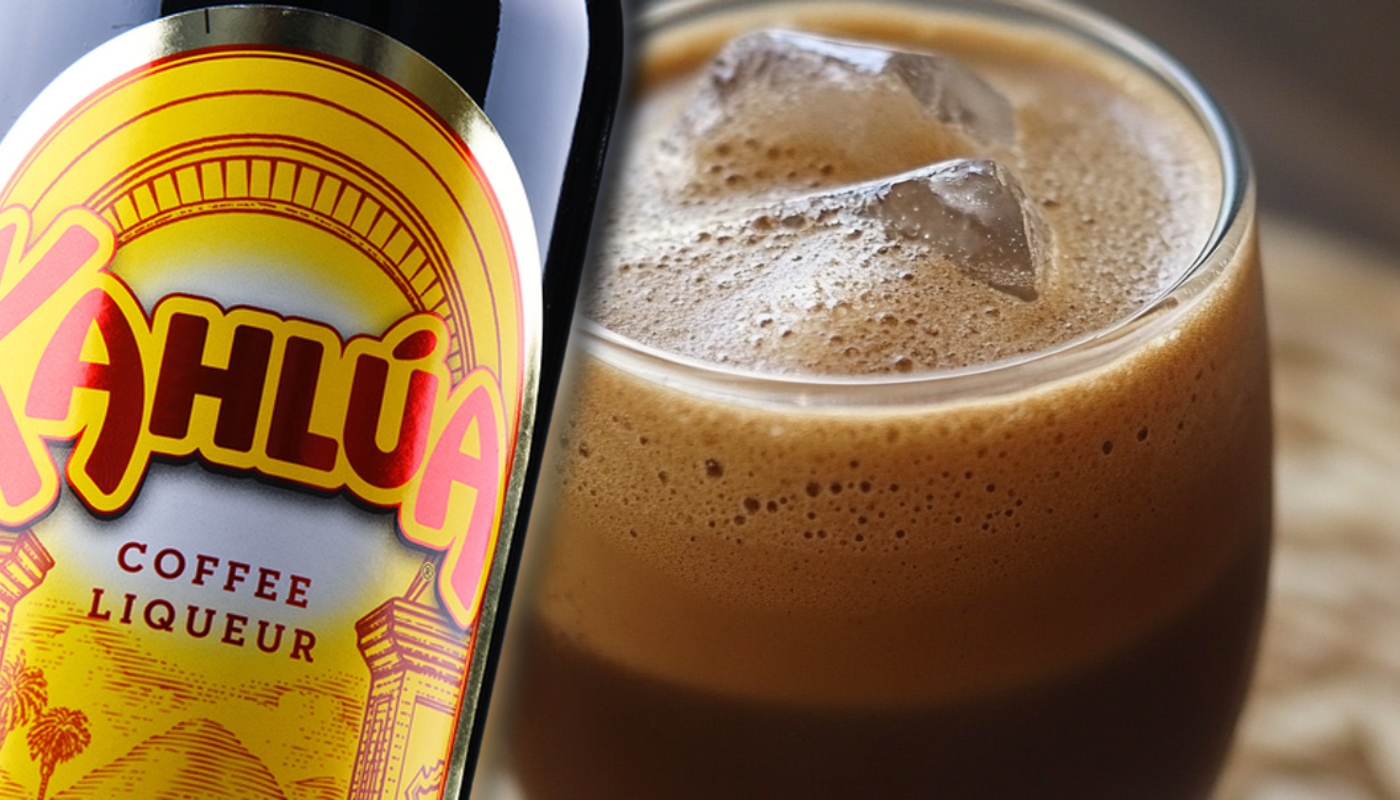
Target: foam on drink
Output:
{"points": [[707, 257], [990, 548]]}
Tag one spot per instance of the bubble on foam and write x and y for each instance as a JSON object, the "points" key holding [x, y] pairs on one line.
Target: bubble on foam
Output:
{"points": [[812, 298]]}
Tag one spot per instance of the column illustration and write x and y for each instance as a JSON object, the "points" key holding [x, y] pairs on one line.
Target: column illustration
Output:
{"points": [[417, 663], [23, 564]]}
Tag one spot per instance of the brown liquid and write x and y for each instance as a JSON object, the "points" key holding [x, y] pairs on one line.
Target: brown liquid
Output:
{"points": [[1047, 592], [1151, 722]]}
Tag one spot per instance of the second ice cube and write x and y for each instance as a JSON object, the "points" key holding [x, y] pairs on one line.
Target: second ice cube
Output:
{"points": [[975, 213]]}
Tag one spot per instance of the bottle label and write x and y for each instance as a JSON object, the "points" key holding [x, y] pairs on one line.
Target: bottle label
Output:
{"points": [[269, 322]]}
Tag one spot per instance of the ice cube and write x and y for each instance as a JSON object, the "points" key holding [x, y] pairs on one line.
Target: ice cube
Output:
{"points": [[971, 212], [974, 212], [847, 88]]}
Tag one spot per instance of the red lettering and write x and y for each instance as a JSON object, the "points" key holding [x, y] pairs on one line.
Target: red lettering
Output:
{"points": [[267, 578], [165, 622], [233, 629], [237, 573], [301, 646], [448, 465], [276, 642], [77, 241], [290, 438], [296, 593], [238, 387], [179, 561], [126, 611], [62, 370], [456, 498], [95, 612], [473, 423], [139, 547], [394, 468], [204, 568], [192, 615], [62, 261]]}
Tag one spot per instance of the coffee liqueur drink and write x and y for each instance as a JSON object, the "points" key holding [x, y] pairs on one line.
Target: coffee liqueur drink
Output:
{"points": [[921, 444]]}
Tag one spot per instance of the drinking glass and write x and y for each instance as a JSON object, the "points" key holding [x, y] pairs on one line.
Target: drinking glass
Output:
{"points": [[1040, 577]]}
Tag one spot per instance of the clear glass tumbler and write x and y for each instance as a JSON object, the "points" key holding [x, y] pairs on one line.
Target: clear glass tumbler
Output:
{"points": [[1041, 577]]}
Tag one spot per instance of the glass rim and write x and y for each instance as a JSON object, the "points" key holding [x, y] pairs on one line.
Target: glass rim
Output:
{"points": [[1067, 358]]}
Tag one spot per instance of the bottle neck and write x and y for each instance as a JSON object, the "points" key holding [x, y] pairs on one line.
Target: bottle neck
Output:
{"points": [[459, 37]]}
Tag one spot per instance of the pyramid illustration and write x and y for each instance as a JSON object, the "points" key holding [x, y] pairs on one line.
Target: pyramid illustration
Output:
{"points": [[195, 760]]}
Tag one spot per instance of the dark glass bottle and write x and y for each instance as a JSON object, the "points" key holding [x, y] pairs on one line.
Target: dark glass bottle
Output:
{"points": [[258, 415]]}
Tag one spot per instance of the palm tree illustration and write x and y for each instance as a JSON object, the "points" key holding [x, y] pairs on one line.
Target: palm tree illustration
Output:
{"points": [[57, 735], [24, 692]]}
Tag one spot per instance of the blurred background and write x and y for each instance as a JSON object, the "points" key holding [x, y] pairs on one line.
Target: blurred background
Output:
{"points": [[1315, 87]]}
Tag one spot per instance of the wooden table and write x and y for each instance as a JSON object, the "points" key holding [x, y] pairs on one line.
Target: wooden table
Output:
{"points": [[1323, 722]]}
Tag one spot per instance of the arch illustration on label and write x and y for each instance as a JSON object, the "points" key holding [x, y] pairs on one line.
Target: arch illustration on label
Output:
{"points": [[269, 324]]}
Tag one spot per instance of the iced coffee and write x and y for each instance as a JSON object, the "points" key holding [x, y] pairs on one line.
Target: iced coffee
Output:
{"points": [[920, 444]]}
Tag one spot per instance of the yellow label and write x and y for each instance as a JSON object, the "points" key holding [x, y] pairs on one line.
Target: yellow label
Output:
{"points": [[268, 330]]}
